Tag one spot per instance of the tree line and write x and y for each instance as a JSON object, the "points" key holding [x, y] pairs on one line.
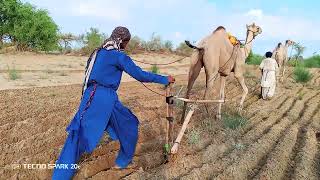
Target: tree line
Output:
{"points": [[28, 28]]}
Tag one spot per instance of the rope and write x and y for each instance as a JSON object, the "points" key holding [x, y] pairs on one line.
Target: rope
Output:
{"points": [[161, 64], [152, 90]]}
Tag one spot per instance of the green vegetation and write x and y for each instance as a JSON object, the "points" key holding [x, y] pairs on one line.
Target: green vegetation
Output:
{"points": [[254, 59], [183, 49], [155, 69], [13, 74], [91, 40], [233, 120], [193, 136], [299, 49], [301, 74], [312, 62], [27, 27]]}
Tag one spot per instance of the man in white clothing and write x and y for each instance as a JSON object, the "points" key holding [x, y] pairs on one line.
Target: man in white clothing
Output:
{"points": [[268, 67]]}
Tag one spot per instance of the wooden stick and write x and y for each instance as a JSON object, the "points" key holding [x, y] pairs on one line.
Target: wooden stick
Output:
{"points": [[169, 135], [200, 101], [175, 147]]}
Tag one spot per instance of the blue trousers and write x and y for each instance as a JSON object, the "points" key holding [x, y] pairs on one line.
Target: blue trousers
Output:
{"points": [[122, 125]]}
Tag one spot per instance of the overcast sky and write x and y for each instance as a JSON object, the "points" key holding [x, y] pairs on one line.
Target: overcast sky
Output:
{"points": [[177, 20]]}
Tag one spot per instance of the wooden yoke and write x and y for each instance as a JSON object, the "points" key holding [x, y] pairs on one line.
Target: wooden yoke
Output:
{"points": [[170, 105]]}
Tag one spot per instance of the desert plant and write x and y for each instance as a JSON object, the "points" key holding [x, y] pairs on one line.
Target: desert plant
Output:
{"points": [[294, 63], [301, 74], [134, 44], [254, 59], [183, 49], [168, 45], [13, 74], [193, 136], [92, 39], [232, 119], [299, 50], [312, 62], [155, 69], [154, 44]]}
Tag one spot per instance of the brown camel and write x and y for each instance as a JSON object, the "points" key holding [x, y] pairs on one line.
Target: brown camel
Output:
{"points": [[219, 57], [280, 54]]}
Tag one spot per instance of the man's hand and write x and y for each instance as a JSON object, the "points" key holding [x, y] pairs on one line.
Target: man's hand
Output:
{"points": [[171, 79]]}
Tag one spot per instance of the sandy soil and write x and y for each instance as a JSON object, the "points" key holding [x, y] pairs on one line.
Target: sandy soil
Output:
{"points": [[38, 70], [278, 142]]}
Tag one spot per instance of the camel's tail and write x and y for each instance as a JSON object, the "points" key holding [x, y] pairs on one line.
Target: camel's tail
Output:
{"points": [[192, 46]]}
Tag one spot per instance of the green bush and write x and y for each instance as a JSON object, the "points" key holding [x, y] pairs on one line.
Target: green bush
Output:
{"points": [[312, 62], [184, 49], [193, 136], [254, 59], [294, 63], [154, 44], [155, 69], [301, 74], [168, 45], [92, 39], [27, 27], [134, 44], [233, 120], [13, 74]]}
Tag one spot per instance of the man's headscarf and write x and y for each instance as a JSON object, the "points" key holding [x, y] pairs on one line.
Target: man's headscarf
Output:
{"points": [[119, 35]]}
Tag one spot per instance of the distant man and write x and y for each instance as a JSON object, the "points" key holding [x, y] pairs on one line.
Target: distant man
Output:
{"points": [[268, 68]]}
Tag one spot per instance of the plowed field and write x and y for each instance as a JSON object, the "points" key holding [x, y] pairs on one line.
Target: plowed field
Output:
{"points": [[278, 142]]}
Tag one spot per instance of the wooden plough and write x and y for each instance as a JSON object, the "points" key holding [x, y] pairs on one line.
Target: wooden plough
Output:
{"points": [[172, 146]]}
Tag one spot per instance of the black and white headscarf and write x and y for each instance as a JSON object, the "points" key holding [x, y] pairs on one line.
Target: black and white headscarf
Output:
{"points": [[119, 34]]}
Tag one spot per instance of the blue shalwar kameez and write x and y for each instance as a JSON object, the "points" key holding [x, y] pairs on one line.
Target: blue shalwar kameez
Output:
{"points": [[100, 110]]}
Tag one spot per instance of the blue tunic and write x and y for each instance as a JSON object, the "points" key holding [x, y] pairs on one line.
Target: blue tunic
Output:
{"points": [[100, 110]]}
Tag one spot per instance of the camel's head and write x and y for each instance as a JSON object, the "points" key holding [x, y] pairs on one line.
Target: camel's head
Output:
{"points": [[290, 42], [255, 29]]}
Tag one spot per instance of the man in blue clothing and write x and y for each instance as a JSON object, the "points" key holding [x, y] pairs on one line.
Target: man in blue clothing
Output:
{"points": [[100, 109]]}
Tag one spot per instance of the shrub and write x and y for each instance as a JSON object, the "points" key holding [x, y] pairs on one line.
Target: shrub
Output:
{"points": [[168, 45], [13, 74], [154, 44], [312, 62], [193, 136], [183, 49], [155, 69], [134, 45], [254, 59], [233, 120], [92, 39], [301, 74]]}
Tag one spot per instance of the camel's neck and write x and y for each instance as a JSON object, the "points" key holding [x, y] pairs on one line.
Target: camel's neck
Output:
{"points": [[248, 44]]}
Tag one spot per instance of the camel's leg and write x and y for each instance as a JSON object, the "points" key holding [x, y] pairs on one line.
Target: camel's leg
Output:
{"points": [[221, 94], [194, 71], [240, 79]]}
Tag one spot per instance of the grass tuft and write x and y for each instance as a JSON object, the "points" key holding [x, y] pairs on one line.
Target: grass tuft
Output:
{"points": [[301, 74], [193, 136], [233, 119], [13, 74], [155, 69]]}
